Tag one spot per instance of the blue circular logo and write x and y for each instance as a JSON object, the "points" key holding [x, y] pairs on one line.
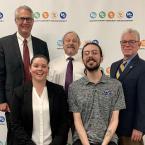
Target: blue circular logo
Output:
{"points": [[93, 15], [95, 41], [1, 15], [63, 15], [129, 14], [2, 119], [60, 43]]}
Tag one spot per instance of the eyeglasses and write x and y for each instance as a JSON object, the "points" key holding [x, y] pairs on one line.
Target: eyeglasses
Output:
{"points": [[130, 42], [28, 19]]}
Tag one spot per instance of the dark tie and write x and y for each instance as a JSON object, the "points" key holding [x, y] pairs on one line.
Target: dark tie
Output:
{"points": [[69, 74], [26, 60], [121, 69]]}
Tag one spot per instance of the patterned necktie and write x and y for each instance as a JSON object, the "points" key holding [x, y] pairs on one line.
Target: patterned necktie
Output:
{"points": [[26, 61], [121, 69], [69, 74]]}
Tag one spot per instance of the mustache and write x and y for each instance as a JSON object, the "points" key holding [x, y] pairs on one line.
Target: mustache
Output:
{"points": [[91, 59], [70, 46]]}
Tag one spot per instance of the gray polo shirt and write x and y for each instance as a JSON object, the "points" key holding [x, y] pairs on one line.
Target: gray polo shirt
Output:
{"points": [[96, 102]]}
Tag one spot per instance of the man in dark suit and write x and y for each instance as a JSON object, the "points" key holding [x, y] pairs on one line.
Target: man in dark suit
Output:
{"points": [[132, 76], [11, 57]]}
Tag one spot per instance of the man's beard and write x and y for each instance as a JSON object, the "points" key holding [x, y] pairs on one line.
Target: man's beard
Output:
{"points": [[91, 69]]}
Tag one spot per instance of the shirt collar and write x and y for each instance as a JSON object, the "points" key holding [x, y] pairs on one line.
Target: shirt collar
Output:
{"points": [[129, 60], [22, 39], [103, 79], [66, 57]]}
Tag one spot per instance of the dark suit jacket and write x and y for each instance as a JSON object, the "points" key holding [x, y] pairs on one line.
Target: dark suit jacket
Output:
{"points": [[133, 82], [22, 114], [11, 64]]}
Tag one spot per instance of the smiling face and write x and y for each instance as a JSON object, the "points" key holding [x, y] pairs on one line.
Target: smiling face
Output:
{"points": [[92, 57], [71, 43], [24, 21], [129, 44], [39, 69]]}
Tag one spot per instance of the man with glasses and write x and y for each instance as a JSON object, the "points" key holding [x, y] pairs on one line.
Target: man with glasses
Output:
{"points": [[15, 51], [132, 120]]}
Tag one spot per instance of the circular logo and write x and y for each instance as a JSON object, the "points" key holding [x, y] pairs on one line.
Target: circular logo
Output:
{"points": [[45, 15], [93, 15], [111, 14], [142, 43], [60, 43], [2, 119], [95, 41], [63, 15], [108, 70], [53, 15], [102, 14], [1, 15], [129, 14], [120, 14], [36, 15]]}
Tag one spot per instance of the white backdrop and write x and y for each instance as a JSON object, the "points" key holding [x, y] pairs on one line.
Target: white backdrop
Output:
{"points": [[93, 20]]}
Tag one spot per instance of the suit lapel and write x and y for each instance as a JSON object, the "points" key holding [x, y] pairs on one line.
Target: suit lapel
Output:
{"points": [[16, 47], [129, 68], [34, 45], [115, 68], [50, 97]]}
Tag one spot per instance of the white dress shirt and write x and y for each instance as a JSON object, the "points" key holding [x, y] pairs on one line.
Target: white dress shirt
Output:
{"points": [[29, 44], [58, 68], [41, 134]]}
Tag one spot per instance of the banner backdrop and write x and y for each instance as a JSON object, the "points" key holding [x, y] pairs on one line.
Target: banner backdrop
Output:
{"points": [[94, 20]]}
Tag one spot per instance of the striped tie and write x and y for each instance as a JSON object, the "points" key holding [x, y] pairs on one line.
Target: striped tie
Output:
{"points": [[121, 69]]}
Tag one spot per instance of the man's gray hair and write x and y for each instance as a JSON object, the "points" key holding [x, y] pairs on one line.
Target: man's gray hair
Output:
{"points": [[73, 33], [25, 8], [132, 31]]}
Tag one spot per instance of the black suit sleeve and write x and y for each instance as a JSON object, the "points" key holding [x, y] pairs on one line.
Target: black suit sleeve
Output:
{"points": [[2, 74], [139, 123], [61, 120], [20, 135]]}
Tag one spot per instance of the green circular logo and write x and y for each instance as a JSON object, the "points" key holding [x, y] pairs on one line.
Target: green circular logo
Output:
{"points": [[102, 14], [36, 15]]}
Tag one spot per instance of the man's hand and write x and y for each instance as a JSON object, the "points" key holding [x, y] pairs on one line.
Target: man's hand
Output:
{"points": [[136, 135], [4, 107]]}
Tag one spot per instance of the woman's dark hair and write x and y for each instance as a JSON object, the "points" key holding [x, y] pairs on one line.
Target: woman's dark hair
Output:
{"points": [[39, 56], [92, 43]]}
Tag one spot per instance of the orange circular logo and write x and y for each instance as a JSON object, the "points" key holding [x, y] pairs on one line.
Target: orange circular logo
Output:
{"points": [[108, 70], [142, 43], [111, 14], [45, 15]]}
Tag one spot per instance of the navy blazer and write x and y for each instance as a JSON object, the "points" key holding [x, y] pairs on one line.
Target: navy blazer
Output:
{"points": [[11, 64], [22, 114], [133, 82]]}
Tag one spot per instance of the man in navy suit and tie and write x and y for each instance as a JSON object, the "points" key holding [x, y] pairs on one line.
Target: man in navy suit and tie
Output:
{"points": [[132, 119], [12, 72]]}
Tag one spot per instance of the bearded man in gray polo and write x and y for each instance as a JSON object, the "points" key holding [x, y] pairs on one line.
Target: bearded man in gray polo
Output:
{"points": [[95, 101]]}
